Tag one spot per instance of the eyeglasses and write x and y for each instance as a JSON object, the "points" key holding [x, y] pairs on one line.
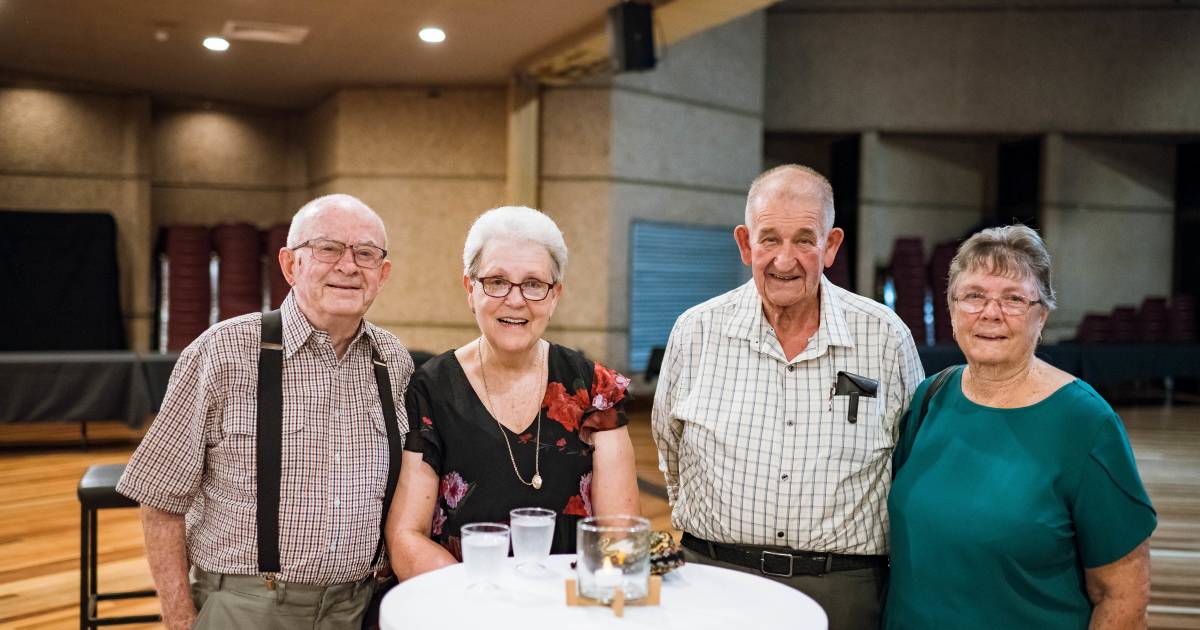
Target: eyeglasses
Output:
{"points": [[532, 290], [1011, 304], [325, 250]]}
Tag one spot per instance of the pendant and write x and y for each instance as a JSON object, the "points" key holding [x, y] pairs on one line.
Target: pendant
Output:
{"points": [[536, 482]]}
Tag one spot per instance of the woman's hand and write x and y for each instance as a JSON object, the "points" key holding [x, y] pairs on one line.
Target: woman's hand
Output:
{"points": [[1121, 590]]}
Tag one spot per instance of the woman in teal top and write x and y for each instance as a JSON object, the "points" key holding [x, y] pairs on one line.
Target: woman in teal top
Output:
{"points": [[1016, 502]]}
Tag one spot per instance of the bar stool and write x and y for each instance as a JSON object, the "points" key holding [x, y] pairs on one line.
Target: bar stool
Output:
{"points": [[98, 491]]}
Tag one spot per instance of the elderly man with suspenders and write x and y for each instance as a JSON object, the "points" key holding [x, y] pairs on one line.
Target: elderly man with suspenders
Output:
{"points": [[278, 444]]}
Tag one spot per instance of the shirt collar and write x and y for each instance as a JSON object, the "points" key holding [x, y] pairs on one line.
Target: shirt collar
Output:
{"points": [[297, 330], [750, 323]]}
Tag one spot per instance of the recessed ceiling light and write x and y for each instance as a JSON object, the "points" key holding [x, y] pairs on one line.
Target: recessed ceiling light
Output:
{"points": [[219, 44], [432, 34]]}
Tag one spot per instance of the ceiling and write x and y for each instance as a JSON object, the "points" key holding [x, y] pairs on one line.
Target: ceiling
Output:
{"points": [[350, 43]]}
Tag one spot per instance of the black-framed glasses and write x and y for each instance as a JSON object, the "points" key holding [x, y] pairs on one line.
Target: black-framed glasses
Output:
{"points": [[532, 290], [325, 250], [974, 302]]}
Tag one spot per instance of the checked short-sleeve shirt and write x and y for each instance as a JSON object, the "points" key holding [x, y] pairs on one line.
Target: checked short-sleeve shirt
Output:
{"points": [[755, 448], [198, 457]]}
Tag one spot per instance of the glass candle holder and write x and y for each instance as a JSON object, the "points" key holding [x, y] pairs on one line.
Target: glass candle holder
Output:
{"points": [[614, 551]]}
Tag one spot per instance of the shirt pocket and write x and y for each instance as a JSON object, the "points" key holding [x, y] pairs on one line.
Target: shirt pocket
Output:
{"points": [[232, 462], [864, 440]]}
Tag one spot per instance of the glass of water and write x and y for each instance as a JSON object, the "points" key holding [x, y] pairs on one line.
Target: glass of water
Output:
{"points": [[484, 548], [532, 537]]}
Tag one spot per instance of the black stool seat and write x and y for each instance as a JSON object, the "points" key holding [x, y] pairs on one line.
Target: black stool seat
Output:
{"points": [[98, 488], [98, 491]]}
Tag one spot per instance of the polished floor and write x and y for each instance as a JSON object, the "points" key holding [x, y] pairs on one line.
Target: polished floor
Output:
{"points": [[39, 517]]}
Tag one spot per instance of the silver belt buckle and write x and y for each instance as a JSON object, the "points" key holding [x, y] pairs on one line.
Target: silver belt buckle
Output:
{"points": [[762, 563]]}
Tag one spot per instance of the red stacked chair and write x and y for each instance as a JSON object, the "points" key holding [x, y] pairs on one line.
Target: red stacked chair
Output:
{"points": [[839, 272], [1124, 321], [1152, 319], [1181, 319], [189, 293], [939, 280], [276, 239], [908, 280], [1095, 328], [239, 283]]}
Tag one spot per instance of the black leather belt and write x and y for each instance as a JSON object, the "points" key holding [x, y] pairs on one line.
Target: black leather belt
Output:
{"points": [[782, 562]]}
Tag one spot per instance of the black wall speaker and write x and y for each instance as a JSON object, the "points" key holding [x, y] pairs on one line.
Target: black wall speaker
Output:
{"points": [[631, 27]]}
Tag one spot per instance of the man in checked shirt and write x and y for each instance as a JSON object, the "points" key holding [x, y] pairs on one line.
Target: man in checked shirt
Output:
{"points": [[768, 471], [194, 474]]}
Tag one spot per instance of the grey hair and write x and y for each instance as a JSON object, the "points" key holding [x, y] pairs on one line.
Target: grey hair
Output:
{"points": [[310, 210], [518, 223], [761, 187], [1014, 251]]}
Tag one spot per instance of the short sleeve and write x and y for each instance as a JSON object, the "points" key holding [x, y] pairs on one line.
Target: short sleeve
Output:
{"points": [[607, 409], [423, 436], [1112, 511]]}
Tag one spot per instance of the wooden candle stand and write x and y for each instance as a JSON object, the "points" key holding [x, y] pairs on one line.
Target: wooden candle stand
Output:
{"points": [[653, 590]]}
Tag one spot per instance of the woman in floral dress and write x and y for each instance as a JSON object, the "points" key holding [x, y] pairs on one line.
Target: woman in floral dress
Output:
{"points": [[509, 420]]}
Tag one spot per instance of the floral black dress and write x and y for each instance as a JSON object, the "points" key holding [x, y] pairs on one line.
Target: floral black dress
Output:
{"points": [[459, 438]]}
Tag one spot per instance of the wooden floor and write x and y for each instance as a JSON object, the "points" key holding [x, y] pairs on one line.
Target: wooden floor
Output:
{"points": [[39, 517]]}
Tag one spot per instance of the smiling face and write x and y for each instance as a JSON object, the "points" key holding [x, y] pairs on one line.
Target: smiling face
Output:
{"points": [[335, 294], [512, 323], [787, 247], [992, 337]]}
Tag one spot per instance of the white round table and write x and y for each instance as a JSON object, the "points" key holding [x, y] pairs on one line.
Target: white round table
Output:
{"points": [[693, 597]]}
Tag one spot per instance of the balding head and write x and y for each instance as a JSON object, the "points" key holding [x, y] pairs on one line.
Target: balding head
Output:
{"points": [[790, 182], [302, 222]]}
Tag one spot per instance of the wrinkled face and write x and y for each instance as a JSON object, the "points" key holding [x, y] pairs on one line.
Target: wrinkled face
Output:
{"points": [[329, 292], [512, 323], [787, 249], [993, 337]]}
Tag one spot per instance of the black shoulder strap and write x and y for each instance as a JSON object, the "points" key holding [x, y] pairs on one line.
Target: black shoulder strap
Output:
{"points": [[395, 450], [934, 387], [268, 458], [908, 432]]}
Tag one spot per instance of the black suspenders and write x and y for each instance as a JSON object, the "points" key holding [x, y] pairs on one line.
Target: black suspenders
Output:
{"points": [[269, 451]]}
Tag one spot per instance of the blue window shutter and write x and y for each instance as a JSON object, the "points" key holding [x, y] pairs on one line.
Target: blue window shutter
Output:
{"points": [[673, 268]]}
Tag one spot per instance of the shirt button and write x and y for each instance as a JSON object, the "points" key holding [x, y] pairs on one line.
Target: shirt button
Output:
{"points": [[790, 423], [784, 477], [777, 535], [791, 368], [337, 502]]}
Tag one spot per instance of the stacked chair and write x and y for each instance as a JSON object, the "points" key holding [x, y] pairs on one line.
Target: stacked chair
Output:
{"points": [[1155, 321], [908, 279], [239, 281], [189, 292], [939, 281]]}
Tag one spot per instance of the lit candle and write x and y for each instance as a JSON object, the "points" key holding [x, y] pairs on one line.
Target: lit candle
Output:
{"points": [[608, 576]]}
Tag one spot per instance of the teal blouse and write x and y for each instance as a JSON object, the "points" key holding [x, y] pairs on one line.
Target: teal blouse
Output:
{"points": [[996, 512]]}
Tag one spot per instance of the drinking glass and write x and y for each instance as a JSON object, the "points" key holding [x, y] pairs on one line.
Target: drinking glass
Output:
{"points": [[532, 537], [484, 548], [614, 552]]}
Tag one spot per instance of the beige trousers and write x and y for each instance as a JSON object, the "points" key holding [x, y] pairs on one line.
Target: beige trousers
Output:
{"points": [[237, 602]]}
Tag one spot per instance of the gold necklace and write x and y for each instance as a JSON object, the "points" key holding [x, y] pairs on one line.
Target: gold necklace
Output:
{"points": [[536, 481]]}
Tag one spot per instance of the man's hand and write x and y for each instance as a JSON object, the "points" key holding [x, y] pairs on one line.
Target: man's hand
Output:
{"points": [[166, 549]]}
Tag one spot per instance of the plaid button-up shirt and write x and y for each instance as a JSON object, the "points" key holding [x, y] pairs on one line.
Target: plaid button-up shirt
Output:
{"points": [[198, 457], [755, 448]]}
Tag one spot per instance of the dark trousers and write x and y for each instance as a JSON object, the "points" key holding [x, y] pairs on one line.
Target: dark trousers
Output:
{"points": [[853, 600]]}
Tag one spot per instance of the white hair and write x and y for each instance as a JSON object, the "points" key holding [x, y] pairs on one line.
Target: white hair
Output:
{"points": [[309, 211], [518, 223], [816, 185]]}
